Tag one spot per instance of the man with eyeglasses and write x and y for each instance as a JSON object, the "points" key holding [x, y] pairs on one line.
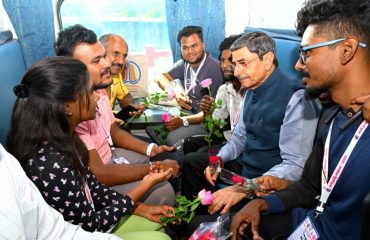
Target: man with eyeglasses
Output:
{"points": [[275, 131], [117, 51], [326, 203]]}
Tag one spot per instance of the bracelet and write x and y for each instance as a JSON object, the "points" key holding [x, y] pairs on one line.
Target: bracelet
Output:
{"points": [[150, 148]]}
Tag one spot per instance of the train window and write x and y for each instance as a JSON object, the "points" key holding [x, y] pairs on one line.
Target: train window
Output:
{"points": [[142, 23], [5, 23], [254, 13]]}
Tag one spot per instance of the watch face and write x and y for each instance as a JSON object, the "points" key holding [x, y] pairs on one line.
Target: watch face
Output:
{"points": [[185, 122]]}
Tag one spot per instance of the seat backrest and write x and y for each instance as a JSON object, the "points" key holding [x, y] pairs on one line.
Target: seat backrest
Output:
{"points": [[287, 44], [12, 68]]}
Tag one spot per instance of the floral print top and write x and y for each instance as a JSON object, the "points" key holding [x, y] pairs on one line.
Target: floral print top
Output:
{"points": [[97, 208]]}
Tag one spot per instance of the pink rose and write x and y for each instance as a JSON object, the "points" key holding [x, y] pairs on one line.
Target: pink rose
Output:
{"points": [[237, 179], [205, 197], [206, 83], [166, 117], [170, 93]]}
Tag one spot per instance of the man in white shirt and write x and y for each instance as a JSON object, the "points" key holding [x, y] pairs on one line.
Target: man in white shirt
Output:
{"points": [[24, 214]]}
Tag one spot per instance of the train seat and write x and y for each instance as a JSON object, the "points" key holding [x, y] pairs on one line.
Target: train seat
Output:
{"points": [[12, 68]]}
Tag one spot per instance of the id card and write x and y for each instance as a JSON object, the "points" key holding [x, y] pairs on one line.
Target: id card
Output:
{"points": [[305, 231]]}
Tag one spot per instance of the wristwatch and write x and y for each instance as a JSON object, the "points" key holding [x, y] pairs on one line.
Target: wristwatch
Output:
{"points": [[185, 121]]}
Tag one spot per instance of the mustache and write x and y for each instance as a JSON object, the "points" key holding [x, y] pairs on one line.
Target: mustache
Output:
{"points": [[105, 71], [304, 74], [117, 65]]}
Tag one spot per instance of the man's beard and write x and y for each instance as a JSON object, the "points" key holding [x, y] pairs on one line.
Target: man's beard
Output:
{"points": [[315, 92], [230, 78], [104, 85], [196, 61]]}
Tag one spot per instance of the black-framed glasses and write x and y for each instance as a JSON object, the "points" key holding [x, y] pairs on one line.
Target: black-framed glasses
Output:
{"points": [[303, 50]]}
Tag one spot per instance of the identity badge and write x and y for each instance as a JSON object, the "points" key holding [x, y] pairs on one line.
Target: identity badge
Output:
{"points": [[305, 231]]}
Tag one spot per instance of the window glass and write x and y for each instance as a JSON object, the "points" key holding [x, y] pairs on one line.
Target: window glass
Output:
{"points": [[260, 13], [142, 23]]}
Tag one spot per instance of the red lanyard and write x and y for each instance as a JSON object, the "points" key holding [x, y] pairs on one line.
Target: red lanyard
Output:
{"points": [[327, 186]]}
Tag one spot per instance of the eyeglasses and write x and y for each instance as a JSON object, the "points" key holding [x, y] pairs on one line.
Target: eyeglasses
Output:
{"points": [[117, 54], [303, 50], [243, 64]]}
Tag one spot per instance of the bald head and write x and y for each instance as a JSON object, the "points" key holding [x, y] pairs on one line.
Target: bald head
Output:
{"points": [[117, 50]]}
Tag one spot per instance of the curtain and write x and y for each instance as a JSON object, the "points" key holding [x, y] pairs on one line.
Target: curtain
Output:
{"points": [[209, 14], [33, 21]]}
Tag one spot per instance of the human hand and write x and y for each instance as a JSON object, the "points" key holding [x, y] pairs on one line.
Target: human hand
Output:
{"points": [[269, 184], [224, 199], [154, 212], [174, 123], [157, 174], [183, 100], [206, 104], [365, 102], [249, 214], [159, 149], [140, 109], [172, 164], [211, 178]]}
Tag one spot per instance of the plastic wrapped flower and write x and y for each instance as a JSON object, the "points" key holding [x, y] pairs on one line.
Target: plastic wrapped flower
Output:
{"points": [[170, 93], [238, 180], [185, 209]]}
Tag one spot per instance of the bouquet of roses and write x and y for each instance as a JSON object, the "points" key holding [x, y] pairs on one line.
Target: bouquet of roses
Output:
{"points": [[185, 209], [213, 125]]}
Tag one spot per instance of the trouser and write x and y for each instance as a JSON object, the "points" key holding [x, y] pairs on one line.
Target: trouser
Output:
{"points": [[160, 194], [198, 144], [185, 132], [134, 227]]}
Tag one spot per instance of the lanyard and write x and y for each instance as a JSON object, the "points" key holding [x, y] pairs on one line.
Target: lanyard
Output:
{"points": [[88, 195], [234, 119], [327, 186], [193, 76], [108, 136]]}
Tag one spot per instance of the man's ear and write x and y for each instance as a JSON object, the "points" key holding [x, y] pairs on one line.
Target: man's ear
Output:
{"points": [[268, 60], [348, 50]]}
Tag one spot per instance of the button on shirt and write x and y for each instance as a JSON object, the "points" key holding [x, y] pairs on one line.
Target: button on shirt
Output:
{"points": [[94, 133]]}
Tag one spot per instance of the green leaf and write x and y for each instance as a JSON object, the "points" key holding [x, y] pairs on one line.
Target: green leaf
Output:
{"points": [[219, 102], [192, 215], [194, 206]]}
